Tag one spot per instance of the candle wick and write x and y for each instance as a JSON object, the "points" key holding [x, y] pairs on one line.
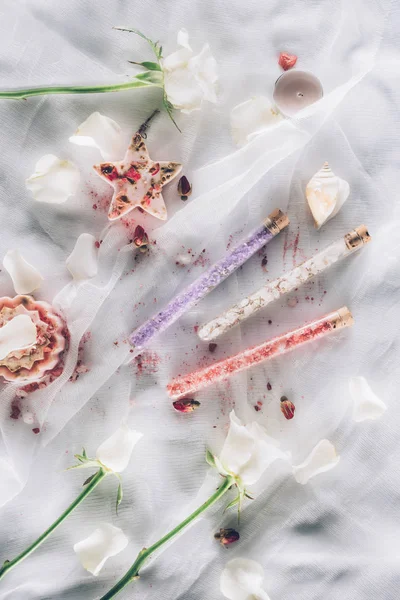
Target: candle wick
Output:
{"points": [[300, 94]]}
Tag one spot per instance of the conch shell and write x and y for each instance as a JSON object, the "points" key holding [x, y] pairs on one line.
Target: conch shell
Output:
{"points": [[326, 193]]}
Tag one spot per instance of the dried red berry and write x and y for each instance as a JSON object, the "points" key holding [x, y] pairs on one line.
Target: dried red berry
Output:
{"points": [[140, 238], [186, 405], [184, 188], [212, 347], [227, 536], [287, 61], [287, 408]]}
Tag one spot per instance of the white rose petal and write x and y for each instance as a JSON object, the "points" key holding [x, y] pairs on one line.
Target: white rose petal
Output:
{"points": [[99, 131], [189, 79], [82, 262], [25, 277], [251, 117], [17, 334], [116, 451], [366, 404], [249, 450], [54, 180], [104, 542], [242, 579], [322, 458]]}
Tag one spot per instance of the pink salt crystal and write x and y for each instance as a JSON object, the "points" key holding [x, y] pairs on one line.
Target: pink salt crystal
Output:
{"points": [[287, 61]]}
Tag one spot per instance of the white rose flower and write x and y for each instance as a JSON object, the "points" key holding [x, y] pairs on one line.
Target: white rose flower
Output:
{"points": [[104, 542], [189, 79], [242, 579], [248, 451]]}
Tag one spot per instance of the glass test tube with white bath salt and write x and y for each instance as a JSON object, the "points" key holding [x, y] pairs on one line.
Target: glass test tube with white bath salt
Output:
{"points": [[236, 314]]}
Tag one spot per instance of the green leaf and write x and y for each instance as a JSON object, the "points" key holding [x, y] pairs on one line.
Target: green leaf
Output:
{"points": [[89, 479], [155, 46], [169, 108], [88, 464], [210, 459], [120, 495], [154, 77], [233, 503], [150, 66]]}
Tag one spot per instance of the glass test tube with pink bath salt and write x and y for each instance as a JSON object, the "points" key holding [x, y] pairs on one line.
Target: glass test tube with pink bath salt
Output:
{"points": [[193, 382]]}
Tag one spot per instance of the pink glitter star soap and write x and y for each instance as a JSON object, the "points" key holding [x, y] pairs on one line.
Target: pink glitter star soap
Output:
{"points": [[44, 357], [137, 181]]}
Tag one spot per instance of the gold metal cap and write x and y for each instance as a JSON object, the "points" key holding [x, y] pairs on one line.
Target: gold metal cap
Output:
{"points": [[342, 318], [276, 221], [357, 237]]}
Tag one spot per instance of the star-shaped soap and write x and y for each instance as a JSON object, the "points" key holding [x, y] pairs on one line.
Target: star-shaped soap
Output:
{"points": [[137, 181]]}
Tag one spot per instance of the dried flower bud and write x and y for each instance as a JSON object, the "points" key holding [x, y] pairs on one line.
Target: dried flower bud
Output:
{"points": [[287, 61], [140, 238], [212, 347], [184, 188], [186, 405], [227, 537], [287, 408]]}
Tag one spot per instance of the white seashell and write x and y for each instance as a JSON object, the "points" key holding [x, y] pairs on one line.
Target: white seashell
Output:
{"points": [[105, 541], [24, 276], [54, 180], [326, 193], [251, 118], [99, 131], [366, 404], [322, 458], [17, 334], [82, 262]]}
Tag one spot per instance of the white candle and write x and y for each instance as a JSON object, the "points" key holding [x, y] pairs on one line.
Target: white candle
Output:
{"points": [[295, 90]]}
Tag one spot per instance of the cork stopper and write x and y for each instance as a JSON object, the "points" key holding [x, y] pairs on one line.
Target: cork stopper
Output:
{"points": [[358, 237], [276, 221], [342, 318]]}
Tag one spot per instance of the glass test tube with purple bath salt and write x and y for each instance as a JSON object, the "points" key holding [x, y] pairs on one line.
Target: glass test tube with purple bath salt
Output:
{"points": [[210, 279]]}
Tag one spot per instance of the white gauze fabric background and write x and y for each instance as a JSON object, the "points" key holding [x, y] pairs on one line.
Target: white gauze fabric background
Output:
{"points": [[336, 537]]}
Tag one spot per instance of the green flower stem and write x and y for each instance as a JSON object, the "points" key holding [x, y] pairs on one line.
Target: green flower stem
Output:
{"points": [[91, 89], [144, 555], [8, 565]]}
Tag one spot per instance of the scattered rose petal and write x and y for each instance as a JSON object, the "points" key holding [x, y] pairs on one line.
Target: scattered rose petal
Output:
{"points": [[242, 579], [287, 61], [248, 450], [54, 180], [82, 262], [17, 334], [366, 404], [99, 131], [105, 541], [116, 451], [287, 408], [251, 118], [189, 79], [186, 405], [322, 458], [25, 277], [226, 537]]}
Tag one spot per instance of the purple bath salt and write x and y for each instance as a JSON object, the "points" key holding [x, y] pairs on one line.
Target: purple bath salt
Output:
{"points": [[209, 280]]}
